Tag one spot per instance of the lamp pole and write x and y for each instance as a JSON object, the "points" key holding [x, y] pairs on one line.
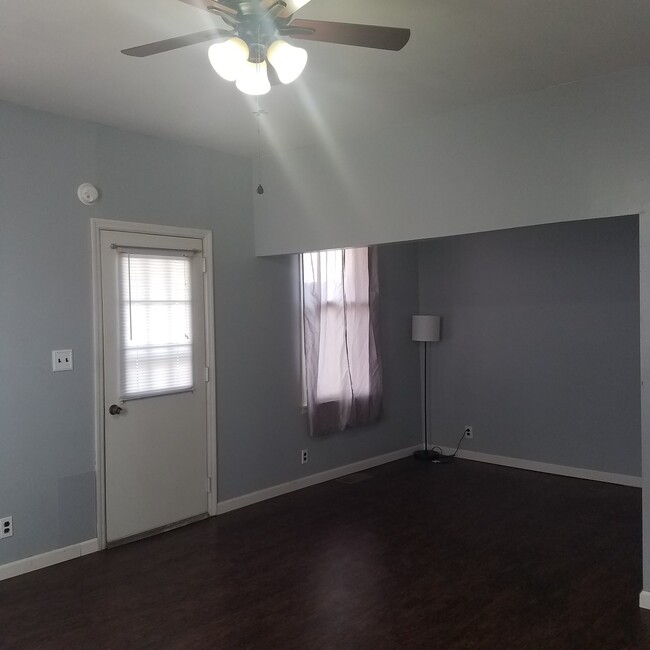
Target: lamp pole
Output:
{"points": [[426, 328]]}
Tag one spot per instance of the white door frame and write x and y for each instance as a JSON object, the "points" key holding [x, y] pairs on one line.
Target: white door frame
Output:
{"points": [[97, 226]]}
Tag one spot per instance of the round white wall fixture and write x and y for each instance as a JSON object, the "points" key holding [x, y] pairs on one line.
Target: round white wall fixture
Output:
{"points": [[87, 193]]}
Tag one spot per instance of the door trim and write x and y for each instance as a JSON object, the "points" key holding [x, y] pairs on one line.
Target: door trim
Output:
{"points": [[97, 226]]}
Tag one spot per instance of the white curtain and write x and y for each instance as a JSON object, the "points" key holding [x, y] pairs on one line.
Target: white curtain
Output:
{"points": [[342, 364]]}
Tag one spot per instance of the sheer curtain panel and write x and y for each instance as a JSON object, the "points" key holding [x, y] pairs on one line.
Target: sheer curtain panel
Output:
{"points": [[340, 316]]}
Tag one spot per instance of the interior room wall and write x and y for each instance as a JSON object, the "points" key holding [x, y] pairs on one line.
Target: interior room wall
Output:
{"points": [[571, 152], [46, 431], [47, 452], [644, 308], [540, 342]]}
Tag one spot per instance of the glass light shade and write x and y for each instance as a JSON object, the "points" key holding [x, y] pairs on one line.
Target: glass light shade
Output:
{"points": [[253, 78], [229, 57], [288, 61]]}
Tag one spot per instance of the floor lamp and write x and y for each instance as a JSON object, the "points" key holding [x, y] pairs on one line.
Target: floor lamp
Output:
{"points": [[426, 329]]}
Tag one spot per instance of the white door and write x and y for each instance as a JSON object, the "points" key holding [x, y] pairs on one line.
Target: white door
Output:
{"points": [[155, 414]]}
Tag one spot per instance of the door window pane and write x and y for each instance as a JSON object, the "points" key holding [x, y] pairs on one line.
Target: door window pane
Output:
{"points": [[155, 325]]}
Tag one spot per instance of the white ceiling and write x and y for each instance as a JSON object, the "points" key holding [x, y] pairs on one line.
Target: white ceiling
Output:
{"points": [[64, 56]]}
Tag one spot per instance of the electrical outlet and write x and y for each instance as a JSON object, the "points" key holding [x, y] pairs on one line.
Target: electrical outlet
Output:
{"points": [[304, 456], [6, 527], [469, 431], [61, 360]]}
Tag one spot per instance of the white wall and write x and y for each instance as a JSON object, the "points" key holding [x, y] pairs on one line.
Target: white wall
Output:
{"points": [[573, 152]]}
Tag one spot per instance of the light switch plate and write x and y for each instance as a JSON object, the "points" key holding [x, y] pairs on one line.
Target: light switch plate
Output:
{"points": [[61, 360]]}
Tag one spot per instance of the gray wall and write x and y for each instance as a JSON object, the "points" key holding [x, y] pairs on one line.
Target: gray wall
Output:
{"points": [[571, 152], [46, 426], [540, 343]]}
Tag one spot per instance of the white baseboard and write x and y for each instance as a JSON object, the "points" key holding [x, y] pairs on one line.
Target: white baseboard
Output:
{"points": [[47, 559], [84, 548], [548, 468], [518, 463], [644, 600], [306, 481], [90, 546]]}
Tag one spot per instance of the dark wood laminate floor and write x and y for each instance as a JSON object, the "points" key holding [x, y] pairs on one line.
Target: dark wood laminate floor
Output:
{"points": [[465, 556]]}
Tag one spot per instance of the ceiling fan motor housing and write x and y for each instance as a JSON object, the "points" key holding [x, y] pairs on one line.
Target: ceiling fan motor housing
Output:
{"points": [[258, 34]]}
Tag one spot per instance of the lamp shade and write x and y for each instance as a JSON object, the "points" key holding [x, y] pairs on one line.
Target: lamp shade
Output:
{"points": [[288, 61], [228, 58], [253, 78], [426, 328]]}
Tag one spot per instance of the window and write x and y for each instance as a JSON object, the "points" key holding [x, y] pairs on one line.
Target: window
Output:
{"points": [[342, 368], [155, 323]]}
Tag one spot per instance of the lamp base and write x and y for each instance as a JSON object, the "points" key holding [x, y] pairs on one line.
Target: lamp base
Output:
{"points": [[428, 455]]}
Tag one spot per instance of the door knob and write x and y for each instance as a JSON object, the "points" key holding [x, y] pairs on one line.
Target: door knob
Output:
{"points": [[114, 409]]}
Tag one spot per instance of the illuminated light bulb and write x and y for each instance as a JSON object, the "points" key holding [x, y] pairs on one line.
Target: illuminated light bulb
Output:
{"points": [[253, 78], [229, 57], [288, 61]]}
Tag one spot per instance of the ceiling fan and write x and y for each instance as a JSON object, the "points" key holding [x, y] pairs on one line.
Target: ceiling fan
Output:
{"points": [[255, 54]]}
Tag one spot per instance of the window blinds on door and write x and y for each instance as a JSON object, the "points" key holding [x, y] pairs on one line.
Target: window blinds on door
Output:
{"points": [[155, 323]]}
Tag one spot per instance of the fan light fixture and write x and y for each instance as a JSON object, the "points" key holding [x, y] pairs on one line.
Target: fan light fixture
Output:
{"points": [[228, 58], [288, 61], [253, 78], [234, 60]]}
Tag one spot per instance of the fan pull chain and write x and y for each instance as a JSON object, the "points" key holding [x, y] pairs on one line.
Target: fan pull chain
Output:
{"points": [[258, 114], [260, 189]]}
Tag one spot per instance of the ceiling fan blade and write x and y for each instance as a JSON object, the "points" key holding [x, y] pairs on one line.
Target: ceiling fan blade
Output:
{"points": [[175, 43], [381, 38]]}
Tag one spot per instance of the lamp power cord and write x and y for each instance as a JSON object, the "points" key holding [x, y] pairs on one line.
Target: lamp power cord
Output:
{"points": [[446, 458]]}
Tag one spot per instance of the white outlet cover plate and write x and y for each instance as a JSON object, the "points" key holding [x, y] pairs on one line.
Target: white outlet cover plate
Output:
{"points": [[3, 526], [61, 360]]}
